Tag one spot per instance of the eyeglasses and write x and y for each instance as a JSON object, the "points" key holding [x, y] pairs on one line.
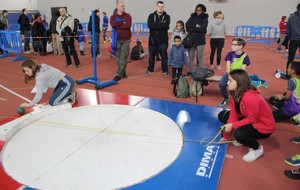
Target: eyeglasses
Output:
{"points": [[234, 44]]}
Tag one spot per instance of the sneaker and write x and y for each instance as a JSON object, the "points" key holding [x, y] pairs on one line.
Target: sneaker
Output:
{"points": [[219, 68], [292, 174], [124, 76], [77, 66], [27, 52], [252, 155], [296, 119], [212, 66], [295, 140], [104, 42], [73, 97], [117, 78], [287, 50], [173, 81], [69, 65], [166, 74], [224, 102], [236, 143], [148, 73], [293, 161]]}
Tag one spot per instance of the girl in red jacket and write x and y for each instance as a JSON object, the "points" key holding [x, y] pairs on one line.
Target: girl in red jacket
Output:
{"points": [[249, 115]]}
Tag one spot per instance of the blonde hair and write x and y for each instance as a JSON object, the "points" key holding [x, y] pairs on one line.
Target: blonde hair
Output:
{"points": [[217, 13]]}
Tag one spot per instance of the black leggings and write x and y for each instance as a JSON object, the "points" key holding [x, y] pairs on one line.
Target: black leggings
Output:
{"points": [[247, 134], [216, 44]]}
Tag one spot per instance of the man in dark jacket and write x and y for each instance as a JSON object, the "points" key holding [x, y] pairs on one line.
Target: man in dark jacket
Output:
{"points": [[97, 31], [3, 23], [158, 23], [293, 34], [57, 48], [25, 28], [121, 22]]}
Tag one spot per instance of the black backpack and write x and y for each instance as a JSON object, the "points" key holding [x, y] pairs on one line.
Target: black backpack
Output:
{"points": [[202, 73]]}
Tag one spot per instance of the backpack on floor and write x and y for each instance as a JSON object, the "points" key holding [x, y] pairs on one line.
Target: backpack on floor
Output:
{"points": [[196, 88], [181, 88]]}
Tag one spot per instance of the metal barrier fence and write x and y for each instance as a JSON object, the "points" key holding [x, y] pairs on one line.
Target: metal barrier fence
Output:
{"points": [[11, 41], [14, 27], [258, 34], [140, 29]]}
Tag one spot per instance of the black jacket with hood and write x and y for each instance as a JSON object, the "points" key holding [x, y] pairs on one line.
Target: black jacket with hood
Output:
{"points": [[197, 24], [293, 26], [159, 26]]}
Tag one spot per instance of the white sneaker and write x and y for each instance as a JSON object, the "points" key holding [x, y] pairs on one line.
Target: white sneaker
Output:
{"points": [[236, 143], [252, 155], [219, 68], [212, 66]]}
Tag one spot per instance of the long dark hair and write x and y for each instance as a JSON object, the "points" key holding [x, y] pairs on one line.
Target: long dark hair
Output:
{"points": [[243, 84], [34, 66]]}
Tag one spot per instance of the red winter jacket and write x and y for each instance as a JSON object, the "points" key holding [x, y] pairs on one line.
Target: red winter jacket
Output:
{"points": [[122, 23], [282, 26], [255, 111]]}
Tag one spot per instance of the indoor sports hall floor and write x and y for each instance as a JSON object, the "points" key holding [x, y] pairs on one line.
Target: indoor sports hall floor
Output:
{"points": [[234, 174]]}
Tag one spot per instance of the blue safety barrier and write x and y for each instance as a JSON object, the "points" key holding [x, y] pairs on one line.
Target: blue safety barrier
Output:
{"points": [[85, 28], [14, 27], [140, 29], [258, 34], [11, 41]]}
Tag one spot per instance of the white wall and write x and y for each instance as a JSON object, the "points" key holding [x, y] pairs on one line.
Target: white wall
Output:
{"points": [[18, 4], [237, 12]]}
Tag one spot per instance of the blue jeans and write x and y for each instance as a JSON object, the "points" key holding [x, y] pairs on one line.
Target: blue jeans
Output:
{"points": [[162, 49], [223, 84], [62, 90]]}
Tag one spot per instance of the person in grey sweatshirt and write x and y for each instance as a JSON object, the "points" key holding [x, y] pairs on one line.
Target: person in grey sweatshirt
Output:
{"points": [[217, 30], [48, 77]]}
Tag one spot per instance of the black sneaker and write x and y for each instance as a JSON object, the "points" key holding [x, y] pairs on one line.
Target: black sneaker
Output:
{"points": [[295, 140], [173, 81], [124, 76], [117, 78], [293, 174], [77, 66]]}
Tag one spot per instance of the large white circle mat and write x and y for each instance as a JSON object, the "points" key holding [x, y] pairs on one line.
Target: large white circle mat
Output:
{"points": [[93, 147]]}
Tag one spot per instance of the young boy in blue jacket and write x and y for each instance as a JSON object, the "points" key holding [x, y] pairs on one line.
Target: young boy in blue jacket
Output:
{"points": [[177, 58]]}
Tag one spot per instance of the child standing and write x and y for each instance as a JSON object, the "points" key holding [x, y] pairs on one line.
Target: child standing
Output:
{"points": [[105, 27], [178, 31], [177, 58], [249, 115], [288, 104], [235, 59], [48, 77], [282, 34], [81, 39], [137, 51], [217, 29]]}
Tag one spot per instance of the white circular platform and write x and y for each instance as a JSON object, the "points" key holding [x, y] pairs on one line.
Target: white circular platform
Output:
{"points": [[92, 147]]}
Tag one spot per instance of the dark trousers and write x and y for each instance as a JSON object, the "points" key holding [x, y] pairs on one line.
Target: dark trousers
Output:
{"points": [[62, 90], [66, 44], [247, 134], [27, 35], [278, 114], [216, 44], [97, 46], [176, 72], [293, 46], [162, 49]]}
